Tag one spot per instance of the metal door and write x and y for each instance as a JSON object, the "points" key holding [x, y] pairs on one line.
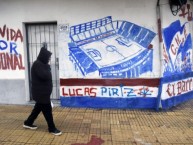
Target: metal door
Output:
{"points": [[37, 34]]}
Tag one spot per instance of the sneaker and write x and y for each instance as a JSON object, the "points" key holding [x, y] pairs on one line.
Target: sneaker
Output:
{"points": [[56, 132], [30, 126]]}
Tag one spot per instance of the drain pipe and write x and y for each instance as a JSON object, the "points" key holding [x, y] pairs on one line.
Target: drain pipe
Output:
{"points": [[158, 12]]}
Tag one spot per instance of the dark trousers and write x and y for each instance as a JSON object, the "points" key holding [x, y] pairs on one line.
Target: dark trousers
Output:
{"points": [[47, 112]]}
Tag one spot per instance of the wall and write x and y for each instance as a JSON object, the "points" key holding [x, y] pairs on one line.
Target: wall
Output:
{"points": [[12, 64], [102, 54], [69, 13], [176, 45], [118, 11], [109, 51]]}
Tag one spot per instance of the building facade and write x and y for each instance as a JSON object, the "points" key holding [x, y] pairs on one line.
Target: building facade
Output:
{"points": [[106, 53]]}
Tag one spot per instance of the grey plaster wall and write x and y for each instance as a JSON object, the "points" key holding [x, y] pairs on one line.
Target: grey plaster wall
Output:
{"points": [[12, 92]]}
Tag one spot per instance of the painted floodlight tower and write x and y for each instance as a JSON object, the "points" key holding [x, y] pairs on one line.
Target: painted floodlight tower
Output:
{"points": [[112, 49]]}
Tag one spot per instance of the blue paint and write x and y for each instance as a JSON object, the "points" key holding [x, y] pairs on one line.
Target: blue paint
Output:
{"points": [[175, 77], [146, 55], [181, 64], [170, 31], [12, 46], [111, 103], [130, 92], [83, 60], [136, 33], [168, 103], [124, 35], [86, 61], [110, 91], [3, 45], [124, 42]]}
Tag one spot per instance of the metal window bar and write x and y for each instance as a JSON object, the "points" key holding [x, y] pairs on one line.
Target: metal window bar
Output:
{"points": [[36, 35]]}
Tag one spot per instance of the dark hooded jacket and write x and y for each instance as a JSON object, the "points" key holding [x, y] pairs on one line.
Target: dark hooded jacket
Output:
{"points": [[42, 77]]}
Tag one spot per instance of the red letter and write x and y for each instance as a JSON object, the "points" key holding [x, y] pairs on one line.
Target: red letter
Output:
{"points": [[63, 93], [173, 49], [12, 33], [93, 92], [178, 40], [185, 33], [77, 92], [71, 93], [9, 61], [2, 33], [16, 62], [7, 34], [179, 88], [20, 62], [168, 90], [19, 35]]}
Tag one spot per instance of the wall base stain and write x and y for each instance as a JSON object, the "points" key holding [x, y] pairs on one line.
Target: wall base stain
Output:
{"points": [[94, 141]]}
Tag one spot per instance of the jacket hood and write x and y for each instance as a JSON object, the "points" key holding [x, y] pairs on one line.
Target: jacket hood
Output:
{"points": [[44, 55]]}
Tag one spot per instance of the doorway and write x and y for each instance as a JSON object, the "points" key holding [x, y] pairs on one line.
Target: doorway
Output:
{"points": [[38, 34]]}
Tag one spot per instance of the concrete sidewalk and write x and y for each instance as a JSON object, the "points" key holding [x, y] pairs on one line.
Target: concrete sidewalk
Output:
{"points": [[100, 127]]}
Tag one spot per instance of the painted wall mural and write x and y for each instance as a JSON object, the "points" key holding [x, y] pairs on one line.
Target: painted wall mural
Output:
{"points": [[177, 83], [10, 56], [111, 49], [177, 47], [107, 49], [177, 88], [109, 91]]}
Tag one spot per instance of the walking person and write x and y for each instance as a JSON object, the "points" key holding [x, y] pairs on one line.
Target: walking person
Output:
{"points": [[41, 91]]}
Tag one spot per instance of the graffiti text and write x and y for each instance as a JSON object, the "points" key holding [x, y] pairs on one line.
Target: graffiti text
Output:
{"points": [[180, 87], [108, 91], [10, 34], [184, 12], [11, 62]]}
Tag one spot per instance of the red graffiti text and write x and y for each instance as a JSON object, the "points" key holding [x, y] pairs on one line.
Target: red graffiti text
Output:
{"points": [[178, 40], [11, 62], [184, 12], [10, 34], [179, 87], [79, 92]]}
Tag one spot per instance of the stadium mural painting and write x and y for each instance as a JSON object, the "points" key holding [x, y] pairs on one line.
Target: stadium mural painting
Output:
{"points": [[106, 49], [176, 84], [113, 49], [10, 52]]}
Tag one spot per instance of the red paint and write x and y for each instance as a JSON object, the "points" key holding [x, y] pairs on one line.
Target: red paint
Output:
{"points": [[110, 82], [177, 88], [11, 34], [173, 49], [178, 41], [184, 12], [94, 141], [170, 90], [11, 62], [150, 46], [79, 92], [165, 55]]}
